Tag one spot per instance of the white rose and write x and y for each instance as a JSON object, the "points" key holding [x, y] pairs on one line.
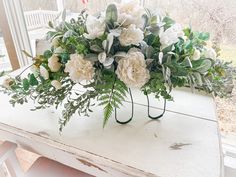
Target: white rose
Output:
{"points": [[196, 55], [95, 27], [7, 83], [44, 72], [210, 53], [79, 69], [54, 64], [131, 35], [130, 13], [132, 69], [56, 84], [171, 35]]}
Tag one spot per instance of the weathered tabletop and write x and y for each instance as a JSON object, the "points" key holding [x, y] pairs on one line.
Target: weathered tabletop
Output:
{"points": [[184, 143]]}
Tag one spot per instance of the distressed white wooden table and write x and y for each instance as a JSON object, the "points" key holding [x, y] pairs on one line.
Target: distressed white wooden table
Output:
{"points": [[184, 143]]}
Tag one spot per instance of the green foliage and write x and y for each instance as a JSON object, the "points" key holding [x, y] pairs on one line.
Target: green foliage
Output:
{"points": [[2, 73], [168, 22], [157, 86], [80, 103], [111, 14], [112, 93]]}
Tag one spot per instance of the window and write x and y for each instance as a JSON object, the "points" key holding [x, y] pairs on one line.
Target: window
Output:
{"points": [[5, 64]]}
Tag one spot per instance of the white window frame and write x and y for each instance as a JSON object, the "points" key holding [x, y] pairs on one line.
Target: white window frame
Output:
{"points": [[19, 34]]}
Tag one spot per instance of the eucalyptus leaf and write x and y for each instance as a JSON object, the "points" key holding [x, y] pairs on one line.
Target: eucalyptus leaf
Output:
{"points": [[96, 48], [26, 84], [149, 61], [168, 49], [145, 19], [198, 78], [111, 13], [2, 73], [91, 57], [68, 34], [149, 51], [154, 29], [32, 80], [50, 24]]}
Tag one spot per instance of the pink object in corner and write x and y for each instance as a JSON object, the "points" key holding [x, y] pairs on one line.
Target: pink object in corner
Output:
{"points": [[42, 166], [85, 1]]}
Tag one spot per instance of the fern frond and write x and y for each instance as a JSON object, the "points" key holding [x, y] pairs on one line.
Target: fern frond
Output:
{"points": [[112, 93], [108, 109]]}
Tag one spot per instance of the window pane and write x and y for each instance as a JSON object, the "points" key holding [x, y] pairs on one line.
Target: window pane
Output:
{"points": [[5, 64], [37, 14]]}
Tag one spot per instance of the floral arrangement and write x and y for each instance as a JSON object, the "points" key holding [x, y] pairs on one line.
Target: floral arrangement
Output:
{"points": [[127, 46]]}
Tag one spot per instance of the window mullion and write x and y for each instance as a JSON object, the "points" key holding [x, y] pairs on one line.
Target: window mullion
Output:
{"points": [[18, 29]]}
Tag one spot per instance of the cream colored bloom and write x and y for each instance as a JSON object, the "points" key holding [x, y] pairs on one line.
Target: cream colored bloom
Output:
{"points": [[7, 83], [196, 55], [130, 13], [56, 84], [171, 35], [210, 53], [54, 64], [131, 35], [44, 72], [132, 69], [79, 69], [95, 27], [55, 42]]}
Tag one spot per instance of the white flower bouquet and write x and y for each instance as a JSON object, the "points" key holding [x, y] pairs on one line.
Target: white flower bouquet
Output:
{"points": [[127, 46]]}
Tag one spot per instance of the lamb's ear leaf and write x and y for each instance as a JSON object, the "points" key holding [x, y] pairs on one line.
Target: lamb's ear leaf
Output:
{"points": [[111, 13], [205, 66]]}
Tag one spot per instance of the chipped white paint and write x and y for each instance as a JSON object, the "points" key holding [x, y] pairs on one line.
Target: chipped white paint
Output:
{"points": [[178, 145]]}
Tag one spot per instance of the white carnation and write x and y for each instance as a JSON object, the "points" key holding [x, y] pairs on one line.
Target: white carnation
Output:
{"points": [[56, 84], [130, 13], [210, 53], [131, 35], [196, 55], [79, 69], [43, 72], [95, 27], [132, 69], [171, 35], [7, 83], [54, 64]]}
